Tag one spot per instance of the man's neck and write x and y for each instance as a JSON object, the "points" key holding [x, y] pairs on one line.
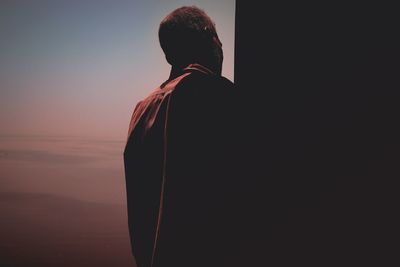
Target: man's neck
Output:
{"points": [[175, 72]]}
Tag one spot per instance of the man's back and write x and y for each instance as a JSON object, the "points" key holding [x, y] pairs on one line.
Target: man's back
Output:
{"points": [[176, 162]]}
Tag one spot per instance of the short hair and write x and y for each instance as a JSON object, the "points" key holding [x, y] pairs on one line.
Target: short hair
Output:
{"points": [[186, 35]]}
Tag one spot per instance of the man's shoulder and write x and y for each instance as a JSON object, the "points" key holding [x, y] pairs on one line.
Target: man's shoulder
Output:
{"points": [[194, 84], [166, 88]]}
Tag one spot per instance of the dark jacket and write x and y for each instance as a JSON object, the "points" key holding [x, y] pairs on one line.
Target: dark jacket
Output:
{"points": [[177, 167]]}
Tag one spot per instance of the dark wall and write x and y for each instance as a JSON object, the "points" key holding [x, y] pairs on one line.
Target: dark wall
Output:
{"points": [[318, 133]]}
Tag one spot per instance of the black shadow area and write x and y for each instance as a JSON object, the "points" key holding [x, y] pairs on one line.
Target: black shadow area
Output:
{"points": [[318, 134]]}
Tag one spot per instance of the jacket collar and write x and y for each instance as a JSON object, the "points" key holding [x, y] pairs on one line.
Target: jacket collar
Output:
{"points": [[190, 68], [198, 67]]}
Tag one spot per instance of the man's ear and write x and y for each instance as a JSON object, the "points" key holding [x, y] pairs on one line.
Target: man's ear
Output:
{"points": [[217, 40]]}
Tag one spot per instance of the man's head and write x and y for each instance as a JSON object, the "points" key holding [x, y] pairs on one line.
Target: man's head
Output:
{"points": [[188, 35]]}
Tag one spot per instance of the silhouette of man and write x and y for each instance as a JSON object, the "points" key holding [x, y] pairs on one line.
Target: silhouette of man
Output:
{"points": [[179, 150]]}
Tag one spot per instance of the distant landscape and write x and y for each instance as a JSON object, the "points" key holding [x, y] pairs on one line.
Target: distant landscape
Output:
{"points": [[62, 203]]}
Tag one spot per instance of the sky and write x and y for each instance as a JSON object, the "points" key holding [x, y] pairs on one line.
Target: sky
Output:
{"points": [[78, 67]]}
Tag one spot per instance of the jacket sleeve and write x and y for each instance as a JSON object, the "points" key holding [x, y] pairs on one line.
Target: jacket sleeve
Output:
{"points": [[143, 180]]}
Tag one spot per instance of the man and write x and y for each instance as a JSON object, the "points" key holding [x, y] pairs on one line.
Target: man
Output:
{"points": [[179, 152]]}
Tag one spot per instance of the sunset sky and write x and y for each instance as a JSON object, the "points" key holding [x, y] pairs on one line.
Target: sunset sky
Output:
{"points": [[78, 67]]}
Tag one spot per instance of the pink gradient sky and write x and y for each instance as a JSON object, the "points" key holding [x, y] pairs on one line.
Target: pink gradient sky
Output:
{"points": [[78, 68]]}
